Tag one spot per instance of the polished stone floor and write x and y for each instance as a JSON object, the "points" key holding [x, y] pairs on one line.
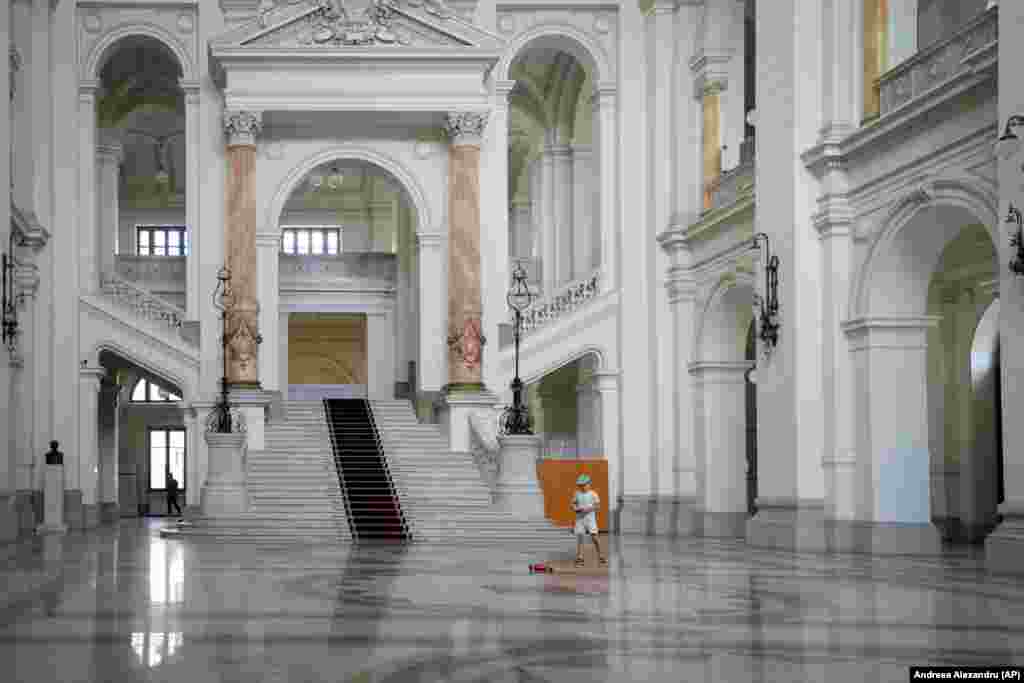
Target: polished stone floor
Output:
{"points": [[122, 604]]}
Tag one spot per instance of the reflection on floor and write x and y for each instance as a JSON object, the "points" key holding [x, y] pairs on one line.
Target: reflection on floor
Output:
{"points": [[122, 604]]}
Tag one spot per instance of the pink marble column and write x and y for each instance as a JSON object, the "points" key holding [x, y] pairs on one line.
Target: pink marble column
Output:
{"points": [[465, 339], [241, 128]]}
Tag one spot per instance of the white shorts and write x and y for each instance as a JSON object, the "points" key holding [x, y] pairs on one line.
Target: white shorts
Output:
{"points": [[587, 524]]}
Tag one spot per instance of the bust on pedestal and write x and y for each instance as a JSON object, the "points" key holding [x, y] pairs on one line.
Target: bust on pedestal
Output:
{"points": [[53, 493]]}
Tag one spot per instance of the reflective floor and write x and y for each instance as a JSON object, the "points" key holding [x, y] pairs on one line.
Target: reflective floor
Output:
{"points": [[121, 604]]}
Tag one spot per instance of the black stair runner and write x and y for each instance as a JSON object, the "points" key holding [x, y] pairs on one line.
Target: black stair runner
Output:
{"points": [[373, 508]]}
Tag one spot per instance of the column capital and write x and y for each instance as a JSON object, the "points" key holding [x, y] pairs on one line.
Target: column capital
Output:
{"points": [[727, 371], [87, 91], [92, 375], [465, 127], [242, 127], [710, 72], [606, 381], [503, 88], [108, 145], [891, 331], [680, 285], [834, 218], [268, 240]]}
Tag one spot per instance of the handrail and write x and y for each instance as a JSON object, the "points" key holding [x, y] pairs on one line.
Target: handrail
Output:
{"points": [[484, 446], [564, 300], [144, 303]]}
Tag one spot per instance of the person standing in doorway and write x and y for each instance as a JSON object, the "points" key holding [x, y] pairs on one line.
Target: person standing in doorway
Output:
{"points": [[172, 493], [584, 504]]}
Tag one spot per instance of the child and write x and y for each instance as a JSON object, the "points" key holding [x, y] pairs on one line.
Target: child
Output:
{"points": [[585, 503]]}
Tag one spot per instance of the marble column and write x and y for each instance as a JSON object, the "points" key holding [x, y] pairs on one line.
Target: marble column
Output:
{"points": [[432, 362], [88, 240], [109, 154], [889, 361], [465, 356], [89, 384], [722, 386], [195, 292], [562, 193], [241, 128], [109, 409], [546, 221], [583, 197], [588, 419], [607, 383]]}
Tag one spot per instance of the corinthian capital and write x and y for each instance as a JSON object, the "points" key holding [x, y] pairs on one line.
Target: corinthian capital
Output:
{"points": [[465, 127], [242, 127]]}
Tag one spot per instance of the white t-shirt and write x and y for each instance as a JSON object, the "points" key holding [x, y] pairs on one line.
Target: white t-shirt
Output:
{"points": [[586, 499]]}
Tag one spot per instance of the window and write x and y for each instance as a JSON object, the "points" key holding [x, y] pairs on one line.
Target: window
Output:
{"points": [[148, 392], [162, 240], [166, 451], [317, 241]]}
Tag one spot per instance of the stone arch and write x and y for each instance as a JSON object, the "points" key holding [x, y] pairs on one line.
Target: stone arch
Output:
{"points": [[424, 216], [184, 386], [566, 38], [722, 330], [894, 276], [108, 43], [578, 354]]}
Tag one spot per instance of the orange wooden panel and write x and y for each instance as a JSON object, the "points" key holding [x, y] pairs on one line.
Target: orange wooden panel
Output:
{"points": [[558, 483]]}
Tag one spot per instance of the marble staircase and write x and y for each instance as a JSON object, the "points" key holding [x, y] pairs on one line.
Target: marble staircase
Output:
{"points": [[443, 496]]}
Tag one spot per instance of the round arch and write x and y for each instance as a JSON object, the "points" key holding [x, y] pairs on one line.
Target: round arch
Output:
{"points": [[567, 39], [285, 188], [602, 364], [108, 43], [722, 330], [893, 279], [187, 391]]}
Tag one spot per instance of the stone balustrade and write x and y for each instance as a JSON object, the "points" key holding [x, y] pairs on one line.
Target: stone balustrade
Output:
{"points": [[156, 273], [562, 302], [371, 269], [143, 303], [963, 52]]}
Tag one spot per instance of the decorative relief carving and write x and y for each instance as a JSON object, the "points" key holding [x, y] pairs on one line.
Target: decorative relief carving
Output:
{"points": [[561, 303], [600, 25], [164, 21], [350, 23], [465, 128], [242, 127]]}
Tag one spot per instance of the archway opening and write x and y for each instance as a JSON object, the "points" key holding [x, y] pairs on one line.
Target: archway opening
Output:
{"points": [[348, 284], [554, 227], [144, 236], [963, 388]]}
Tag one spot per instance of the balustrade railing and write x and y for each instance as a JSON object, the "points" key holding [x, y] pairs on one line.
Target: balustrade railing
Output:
{"points": [[560, 303], [164, 273], [143, 303], [961, 52]]}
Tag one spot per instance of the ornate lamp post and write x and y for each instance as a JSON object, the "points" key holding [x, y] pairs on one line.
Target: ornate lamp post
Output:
{"points": [[221, 421], [768, 322], [1017, 240], [516, 418]]}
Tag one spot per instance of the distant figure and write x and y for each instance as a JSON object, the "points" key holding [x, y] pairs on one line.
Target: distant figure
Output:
{"points": [[53, 456], [584, 504], [172, 493]]}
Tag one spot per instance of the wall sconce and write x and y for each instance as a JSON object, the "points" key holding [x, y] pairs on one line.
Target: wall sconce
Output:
{"points": [[1017, 240], [768, 320], [1008, 143]]}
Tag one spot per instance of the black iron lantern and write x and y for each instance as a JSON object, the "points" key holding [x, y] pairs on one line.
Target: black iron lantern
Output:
{"points": [[1017, 240], [768, 318], [8, 306], [516, 418], [223, 300]]}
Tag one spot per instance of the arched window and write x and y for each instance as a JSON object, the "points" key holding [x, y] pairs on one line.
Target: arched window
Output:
{"points": [[149, 392]]}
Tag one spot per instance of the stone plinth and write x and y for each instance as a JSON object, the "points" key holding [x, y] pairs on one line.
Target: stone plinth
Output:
{"points": [[1004, 548], [53, 500], [456, 409], [224, 493], [518, 491]]}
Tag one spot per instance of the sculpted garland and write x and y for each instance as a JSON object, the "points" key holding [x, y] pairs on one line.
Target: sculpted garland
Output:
{"points": [[353, 23]]}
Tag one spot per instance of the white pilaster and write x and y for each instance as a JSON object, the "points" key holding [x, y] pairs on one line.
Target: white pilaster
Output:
{"points": [[583, 196], [109, 411], [268, 248], [562, 192], [588, 420], [520, 228], [88, 280], [494, 230], [86, 450], [547, 227], [606, 112], [23, 133], [432, 366], [380, 356], [109, 154], [611, 434], [193, 197]]}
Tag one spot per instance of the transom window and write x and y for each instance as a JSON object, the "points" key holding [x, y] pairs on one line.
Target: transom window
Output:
{"points": [[162, 240], [166, 453], [148, 392], [315, 240]]}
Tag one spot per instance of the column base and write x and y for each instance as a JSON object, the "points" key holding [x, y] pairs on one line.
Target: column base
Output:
{"points": [[8, 517], [27, 503], [657, 516], [109, 513], [1004, 547], [882, 538], [724, 524], [73, 518], [51, 530], [788, 524], [456, 409], [90, 516]]}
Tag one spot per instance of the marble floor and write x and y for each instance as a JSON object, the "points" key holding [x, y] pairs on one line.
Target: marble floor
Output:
{"points": [[122, 604]]}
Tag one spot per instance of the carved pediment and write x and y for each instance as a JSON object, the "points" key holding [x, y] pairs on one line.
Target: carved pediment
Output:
{"points": [[319, 24]]}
